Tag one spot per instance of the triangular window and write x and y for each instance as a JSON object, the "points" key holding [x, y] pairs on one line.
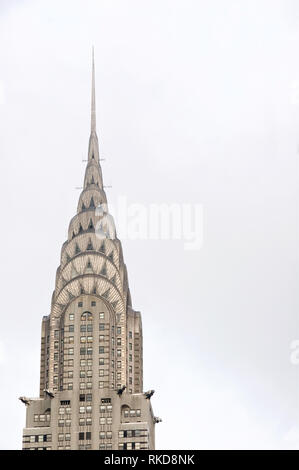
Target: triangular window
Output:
{"points": [[77, 249], [92, 205], [89, 246]]}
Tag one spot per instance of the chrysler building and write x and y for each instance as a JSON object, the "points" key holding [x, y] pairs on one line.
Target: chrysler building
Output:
{"points": [[91, 375]]}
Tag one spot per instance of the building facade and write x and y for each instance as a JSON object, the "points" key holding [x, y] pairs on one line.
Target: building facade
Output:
{"points": [[91, 374]]}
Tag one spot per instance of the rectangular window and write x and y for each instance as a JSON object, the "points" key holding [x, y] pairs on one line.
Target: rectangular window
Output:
{"points": [[102, 408], [81, 397], [83, 339], [80, 304], [81, 421], [89, 409], [83, 328], [88, 421], [93, 303], [88, 435], [102, 435], [101, 384], [81, 436], [82, 409], [89, 351], [82, 351], [102, 315], [89, 397], [109, 420], [130, 334], [109, 407], [119, 353], [102, 326], [102, 421], [101, 372], [82, 362], [71, 316], [89, 339], [109, 434], [56, 334], [70, 351], [68, 422], [101, 350], [118, 330], [101, 361], [60, 437], [67, 437], [89, 327], [65, 402], [71, 328], [101, 338], [138, 412], [70, 362]]}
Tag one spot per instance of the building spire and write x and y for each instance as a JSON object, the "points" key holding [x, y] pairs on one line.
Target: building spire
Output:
{"points": [[93, 96]]}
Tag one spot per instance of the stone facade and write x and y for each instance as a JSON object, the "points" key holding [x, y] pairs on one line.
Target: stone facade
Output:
{"points": [[91, 375]]}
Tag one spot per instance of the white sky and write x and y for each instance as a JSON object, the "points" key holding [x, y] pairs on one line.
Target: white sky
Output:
{"points": [[197, 102]]}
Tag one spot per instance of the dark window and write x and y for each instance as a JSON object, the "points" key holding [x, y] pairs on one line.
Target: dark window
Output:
{"points": [[71, 328], [102, 326], [80, 304], [81, 436], [82, 351], [93, 303], [101, 350], [88, 435], [106, 400], [65, 402], [82, 397]]}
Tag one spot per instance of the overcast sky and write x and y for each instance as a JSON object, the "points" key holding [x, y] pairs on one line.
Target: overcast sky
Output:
{"points": [[197, 102]]}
